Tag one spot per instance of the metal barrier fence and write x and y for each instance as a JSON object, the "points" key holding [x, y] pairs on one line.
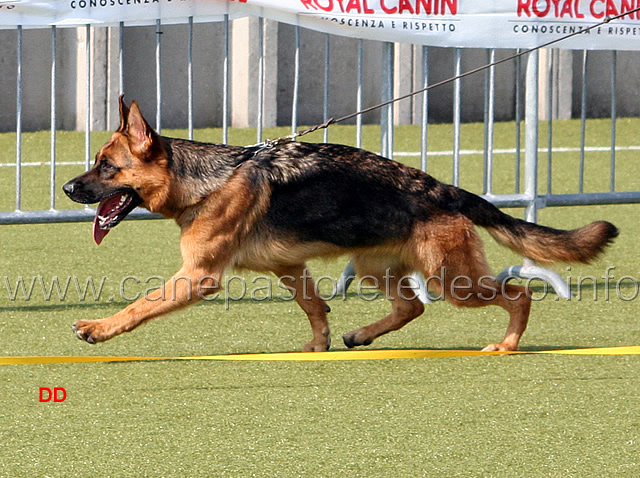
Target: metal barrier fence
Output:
{"points": [[529, 198]]}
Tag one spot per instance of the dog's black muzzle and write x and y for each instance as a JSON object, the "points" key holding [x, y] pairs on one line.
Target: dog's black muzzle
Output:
{"points": [[84, 191]]}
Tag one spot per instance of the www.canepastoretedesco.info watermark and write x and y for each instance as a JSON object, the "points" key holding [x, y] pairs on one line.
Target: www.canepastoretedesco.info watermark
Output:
{"points": [[233, 288]]}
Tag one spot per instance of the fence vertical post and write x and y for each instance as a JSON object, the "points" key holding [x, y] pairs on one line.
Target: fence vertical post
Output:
{"points": [[424, 126], [158, 77], [614, 115], [190, 79], [120, 58], [225, 82], [518, 114], [52, 192], [87, 123], [531, 137], [296, 82], [457, 105], [327, 81], [490, 99], [260, 113], [359, 95], [386, 112], [583, 119], [552, 59], [19, 121]]}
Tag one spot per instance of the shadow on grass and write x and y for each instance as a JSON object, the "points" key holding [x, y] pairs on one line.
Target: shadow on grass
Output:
{"points": [[63, 306], [104, 304]]}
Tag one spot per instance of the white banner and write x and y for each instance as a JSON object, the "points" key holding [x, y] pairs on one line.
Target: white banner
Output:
{"points": [[451, 23]]}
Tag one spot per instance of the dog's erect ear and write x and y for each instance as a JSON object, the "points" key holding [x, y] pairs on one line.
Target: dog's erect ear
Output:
{"points": [[140, 134], [124, 114]]}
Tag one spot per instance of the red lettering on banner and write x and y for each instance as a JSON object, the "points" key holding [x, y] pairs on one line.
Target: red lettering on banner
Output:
{"points": [[327, 8], [390, 7], [598, 10], [359, 7], [635, 15], [629, 5], [405, 6], [538, 12], [541, 9], [390, 11], [523, 7], [426, 6], [366, 7], [308, 3], [571, 9], [611, 8], [451, 5], [353, 5], [595, 9]]}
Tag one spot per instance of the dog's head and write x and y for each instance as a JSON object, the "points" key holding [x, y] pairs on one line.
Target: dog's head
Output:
{"points": [[129, 171]]}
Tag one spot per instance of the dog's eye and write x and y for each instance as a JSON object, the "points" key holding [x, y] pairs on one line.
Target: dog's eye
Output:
{"points": [[107, 167]]}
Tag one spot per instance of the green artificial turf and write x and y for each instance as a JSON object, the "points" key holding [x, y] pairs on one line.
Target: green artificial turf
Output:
{"points": [[528, 415]]}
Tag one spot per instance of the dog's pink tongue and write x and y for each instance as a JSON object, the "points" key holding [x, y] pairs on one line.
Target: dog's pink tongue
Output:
{"points": [[98, 233], [103, 209]]}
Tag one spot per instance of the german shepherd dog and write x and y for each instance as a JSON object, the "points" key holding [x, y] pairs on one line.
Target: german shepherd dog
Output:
{"points": [[273, 208]]}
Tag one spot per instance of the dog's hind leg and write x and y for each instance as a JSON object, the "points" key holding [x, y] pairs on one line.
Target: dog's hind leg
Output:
{"points": [[465, 280], [516, 300], [464, 289], [405, 304], [301, 285]]}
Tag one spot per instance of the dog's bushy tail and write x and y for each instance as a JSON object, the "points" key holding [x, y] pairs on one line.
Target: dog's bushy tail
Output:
{"points": [[545, 244], [539, 243]]}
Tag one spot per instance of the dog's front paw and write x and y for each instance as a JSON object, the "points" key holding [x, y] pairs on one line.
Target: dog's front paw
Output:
{"points": [[500, 348], [321, 345], [89, 331], [312, 347]]}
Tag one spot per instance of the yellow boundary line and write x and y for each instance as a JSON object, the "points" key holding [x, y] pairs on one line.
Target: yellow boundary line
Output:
{"points": [[317, 356]]}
